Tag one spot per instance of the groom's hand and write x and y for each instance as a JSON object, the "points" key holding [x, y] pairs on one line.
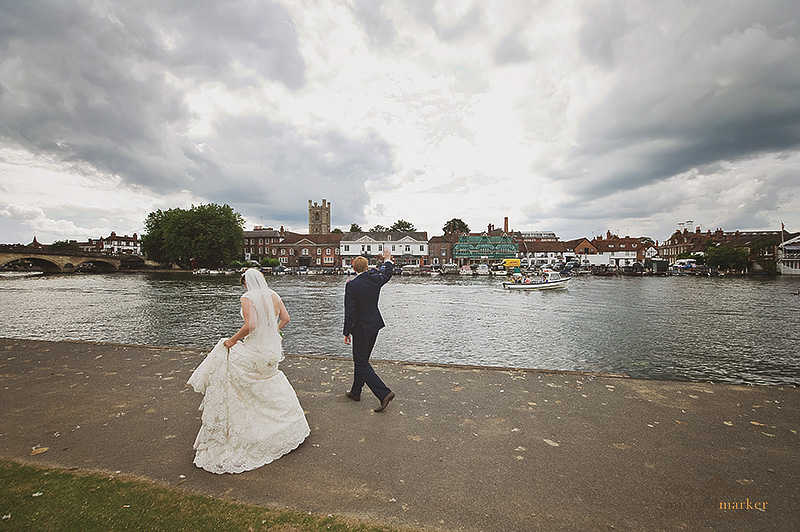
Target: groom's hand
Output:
{"points": [[386, 255], [347, 339]]}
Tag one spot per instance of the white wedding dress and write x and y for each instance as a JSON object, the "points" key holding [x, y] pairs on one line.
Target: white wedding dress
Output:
{"points": [[251, 415]]}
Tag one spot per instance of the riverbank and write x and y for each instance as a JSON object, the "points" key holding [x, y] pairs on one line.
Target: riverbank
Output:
{"points": [[459, 448]]}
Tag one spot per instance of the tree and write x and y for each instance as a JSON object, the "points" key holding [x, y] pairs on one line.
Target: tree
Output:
{"points": [[402, 226], [152, 240], [727, 258], [206, 235], [355, 228], [65, 245], [699, 258], [454, 226], [379, 229], [337, 230]]}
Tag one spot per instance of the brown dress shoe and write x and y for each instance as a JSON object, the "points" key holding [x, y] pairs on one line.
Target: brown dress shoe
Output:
{"points": [[385, 402], [352, 396]]}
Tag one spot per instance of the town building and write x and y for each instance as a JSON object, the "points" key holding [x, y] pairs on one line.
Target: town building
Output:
{"points": [[407, 248], [258, 242], [578, 248], [789, 256], [115, 244], [312, 251], [538, 253], [617, 251], [441, 249], [319, 218], [484, 249], [762, 246]]}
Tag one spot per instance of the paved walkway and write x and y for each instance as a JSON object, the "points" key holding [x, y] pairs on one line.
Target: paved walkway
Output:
{"points": [[458, 449]]}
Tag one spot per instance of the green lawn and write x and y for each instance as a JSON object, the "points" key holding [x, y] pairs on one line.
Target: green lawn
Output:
{"points": [[39, 499]]}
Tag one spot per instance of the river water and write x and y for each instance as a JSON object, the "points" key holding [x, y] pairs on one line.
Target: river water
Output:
{"points": [[742, 330]]}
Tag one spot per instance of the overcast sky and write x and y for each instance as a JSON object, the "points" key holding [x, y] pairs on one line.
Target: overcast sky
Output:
{"points": [[569, 116]]}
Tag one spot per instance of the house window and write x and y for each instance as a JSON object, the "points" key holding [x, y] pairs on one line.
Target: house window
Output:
{"points": [[408, 249], [305, 252], [327, 251], [422, 248], [260, 240], [291, 251], [392, 247], [444, 252], [369, 247], [319, 251], [283, 251], [347, 247], [274, 251]]}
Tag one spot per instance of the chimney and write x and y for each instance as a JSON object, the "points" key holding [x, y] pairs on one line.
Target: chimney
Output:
{"points": [[697, 230], [505, 224]]}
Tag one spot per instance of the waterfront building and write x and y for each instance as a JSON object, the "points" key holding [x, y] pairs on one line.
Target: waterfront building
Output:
{"points": [[119, 245], [313, 251], [113, 244], [616, 251], [538, 253], [789, 256], [537, 236], [579, 249], [258, 242], [407, 248], [484, 249], [762, 246], [319, 217], [440, 248]]}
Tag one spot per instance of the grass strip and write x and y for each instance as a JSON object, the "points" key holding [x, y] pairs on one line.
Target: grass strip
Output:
{"points": [[33, 498]]}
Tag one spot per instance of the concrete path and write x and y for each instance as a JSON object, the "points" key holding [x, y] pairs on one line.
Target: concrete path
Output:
{"points": [[459, 448]]}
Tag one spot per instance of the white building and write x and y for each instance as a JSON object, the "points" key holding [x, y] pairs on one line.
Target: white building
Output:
{"points": [[116, 245], [406, 248], [789, 262]]}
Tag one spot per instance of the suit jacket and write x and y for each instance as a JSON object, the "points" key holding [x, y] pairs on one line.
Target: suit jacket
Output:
{"points": [[361, 300]]}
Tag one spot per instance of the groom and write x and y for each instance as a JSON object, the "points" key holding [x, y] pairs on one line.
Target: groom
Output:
{"points": [[362, 321]]}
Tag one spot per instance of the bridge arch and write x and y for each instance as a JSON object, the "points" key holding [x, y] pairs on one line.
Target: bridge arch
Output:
{"points": [[96, 264], [46, 266]]}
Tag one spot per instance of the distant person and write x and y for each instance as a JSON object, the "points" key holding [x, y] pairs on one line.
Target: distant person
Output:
{"points": [[362, 321], [251, 415]]}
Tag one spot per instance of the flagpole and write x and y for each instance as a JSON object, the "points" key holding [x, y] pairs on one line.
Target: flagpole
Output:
{"points": [[783, 246]]}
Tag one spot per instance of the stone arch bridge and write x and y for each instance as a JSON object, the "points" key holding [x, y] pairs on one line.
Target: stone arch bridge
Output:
{"points": [[56, 261]]}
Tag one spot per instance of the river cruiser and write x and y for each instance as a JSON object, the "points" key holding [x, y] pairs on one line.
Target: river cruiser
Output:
{"points": [[548, 281]]}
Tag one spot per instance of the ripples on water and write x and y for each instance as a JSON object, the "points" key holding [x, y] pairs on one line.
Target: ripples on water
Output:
{"points": [[733, 330]]}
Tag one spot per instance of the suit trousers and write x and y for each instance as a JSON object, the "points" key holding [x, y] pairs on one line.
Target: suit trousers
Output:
{"points": [[363, 371]]}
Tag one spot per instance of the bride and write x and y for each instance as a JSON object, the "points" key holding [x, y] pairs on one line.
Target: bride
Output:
{"points": [[251, 415]]}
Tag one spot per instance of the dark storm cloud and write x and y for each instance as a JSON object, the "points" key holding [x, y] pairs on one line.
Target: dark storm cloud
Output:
{"points": [[101, 90], [695, 86]]}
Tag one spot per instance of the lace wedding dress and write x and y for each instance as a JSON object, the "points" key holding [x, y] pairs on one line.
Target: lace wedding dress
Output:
{"points": [[251, 415]]}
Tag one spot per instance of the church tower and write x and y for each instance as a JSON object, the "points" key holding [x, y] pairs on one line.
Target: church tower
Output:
{"points": [[319, 217]]}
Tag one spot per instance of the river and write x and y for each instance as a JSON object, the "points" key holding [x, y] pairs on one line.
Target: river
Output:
{"points": [[739, 330]]}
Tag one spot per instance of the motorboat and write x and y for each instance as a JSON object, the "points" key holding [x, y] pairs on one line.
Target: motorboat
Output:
{"points": [[547, 281]]}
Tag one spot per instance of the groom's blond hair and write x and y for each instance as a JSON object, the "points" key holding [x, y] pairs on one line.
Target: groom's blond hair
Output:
{"points": [[360, 264]]}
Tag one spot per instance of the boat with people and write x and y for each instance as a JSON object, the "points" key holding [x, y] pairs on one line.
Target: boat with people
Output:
{"points": [[548, 280]]}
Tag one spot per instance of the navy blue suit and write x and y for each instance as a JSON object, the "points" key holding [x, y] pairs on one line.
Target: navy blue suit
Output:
{"points": [[363, 320]]}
